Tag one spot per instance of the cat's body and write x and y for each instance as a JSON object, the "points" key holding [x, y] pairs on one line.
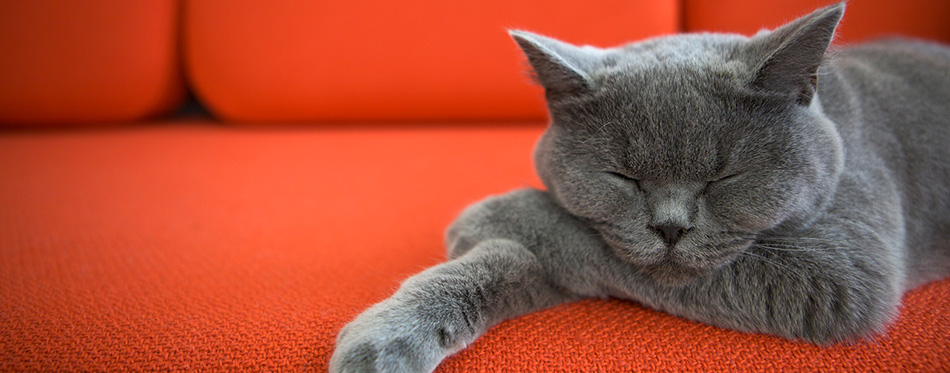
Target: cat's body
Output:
{"points": [[703, 176], [886, 101]]}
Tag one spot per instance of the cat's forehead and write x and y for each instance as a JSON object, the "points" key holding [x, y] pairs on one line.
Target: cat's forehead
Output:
{"points": [[683, 49], [677, 78], [676, 60], [671, 104]]}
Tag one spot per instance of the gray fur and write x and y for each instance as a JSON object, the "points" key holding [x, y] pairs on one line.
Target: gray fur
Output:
{"points": [[759, 184]]}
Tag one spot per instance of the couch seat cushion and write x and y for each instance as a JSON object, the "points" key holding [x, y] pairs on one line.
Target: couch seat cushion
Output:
{"points": [[195, 246]]}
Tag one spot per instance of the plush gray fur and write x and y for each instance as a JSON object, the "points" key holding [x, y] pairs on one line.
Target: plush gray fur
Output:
{"points": [[760, 184]]}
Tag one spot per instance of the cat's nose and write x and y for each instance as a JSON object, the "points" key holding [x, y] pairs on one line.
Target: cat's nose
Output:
{"points": [[670, 233]]}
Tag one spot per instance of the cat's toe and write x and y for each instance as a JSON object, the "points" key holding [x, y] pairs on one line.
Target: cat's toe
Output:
{"points": [[382, 354], [361, 358], [373, 344]]}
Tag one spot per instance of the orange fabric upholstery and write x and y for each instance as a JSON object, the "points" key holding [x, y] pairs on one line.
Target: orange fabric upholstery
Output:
{"points": [[864, 19], [185, 245], [191, 247], [304, 60], [67, 62]]}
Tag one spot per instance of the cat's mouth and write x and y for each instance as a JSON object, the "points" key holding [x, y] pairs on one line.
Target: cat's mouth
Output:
{"points": [[658, 264], [675, 266]]}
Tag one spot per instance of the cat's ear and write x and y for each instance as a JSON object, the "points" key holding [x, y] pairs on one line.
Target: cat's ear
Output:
{"points": [[561, 68], [788, 57]]}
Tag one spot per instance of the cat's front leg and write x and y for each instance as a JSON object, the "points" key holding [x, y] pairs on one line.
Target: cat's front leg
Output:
{"points": [[839, 279], [443, 309]]}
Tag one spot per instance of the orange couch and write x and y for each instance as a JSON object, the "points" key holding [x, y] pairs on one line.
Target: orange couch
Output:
{"points": [[343, 139]]}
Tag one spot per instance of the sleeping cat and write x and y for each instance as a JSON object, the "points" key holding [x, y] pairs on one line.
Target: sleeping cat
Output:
{"points": [[760, 184]]}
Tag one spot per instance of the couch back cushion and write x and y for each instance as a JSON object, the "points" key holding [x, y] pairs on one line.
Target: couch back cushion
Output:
{"points": [[863, 19], [68, 62], [303, 60]]}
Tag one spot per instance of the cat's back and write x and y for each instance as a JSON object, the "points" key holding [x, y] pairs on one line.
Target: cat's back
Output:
{"points": [[896, 83], [910, 57], [892, 96], [890, 100]]}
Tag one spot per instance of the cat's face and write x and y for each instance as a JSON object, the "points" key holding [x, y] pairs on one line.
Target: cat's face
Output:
{"points": [[680, 178], [667, 149]]}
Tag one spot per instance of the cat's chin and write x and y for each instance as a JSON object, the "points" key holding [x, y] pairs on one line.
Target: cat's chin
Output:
{"points": [[671, 274]]}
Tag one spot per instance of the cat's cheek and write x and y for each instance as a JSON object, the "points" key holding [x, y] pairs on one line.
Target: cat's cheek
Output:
{"points": [[589, 198], [634, 251], [737, 211], [579, 207]]}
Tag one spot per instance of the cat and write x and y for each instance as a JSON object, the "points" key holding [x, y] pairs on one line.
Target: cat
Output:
{"points": [[766, 184]]}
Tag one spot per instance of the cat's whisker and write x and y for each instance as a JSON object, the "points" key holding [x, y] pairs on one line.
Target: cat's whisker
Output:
{"points": [[779, 239], [789, 248], [773, 248], [738, 233], [770, 261], [817, 245], [796, 239]]}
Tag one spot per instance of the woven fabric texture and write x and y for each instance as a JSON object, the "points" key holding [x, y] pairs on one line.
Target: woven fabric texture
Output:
{"points": [[199, 247]]}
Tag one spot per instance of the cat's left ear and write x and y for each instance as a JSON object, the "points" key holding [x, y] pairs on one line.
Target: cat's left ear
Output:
{"points": [[788, 57]]}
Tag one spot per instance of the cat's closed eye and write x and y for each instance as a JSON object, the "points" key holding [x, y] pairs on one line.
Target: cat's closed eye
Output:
{"points": [[724, 180], [728, 177], [625, 178]]}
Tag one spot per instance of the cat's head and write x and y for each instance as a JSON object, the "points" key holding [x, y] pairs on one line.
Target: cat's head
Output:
{"points": [[681, 149]]}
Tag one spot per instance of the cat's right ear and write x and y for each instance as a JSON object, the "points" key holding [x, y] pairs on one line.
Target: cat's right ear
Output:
{"points": [[558, 66], [793, 52]]}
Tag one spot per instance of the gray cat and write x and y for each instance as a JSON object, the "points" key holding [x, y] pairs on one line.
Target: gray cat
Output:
{"points": [[759, 184]]}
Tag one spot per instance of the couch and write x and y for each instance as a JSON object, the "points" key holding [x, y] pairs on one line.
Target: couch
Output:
{"points": [[221, 185]]}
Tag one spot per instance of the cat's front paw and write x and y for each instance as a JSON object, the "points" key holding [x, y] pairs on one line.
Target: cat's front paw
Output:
{"points": [[386, 339]]}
